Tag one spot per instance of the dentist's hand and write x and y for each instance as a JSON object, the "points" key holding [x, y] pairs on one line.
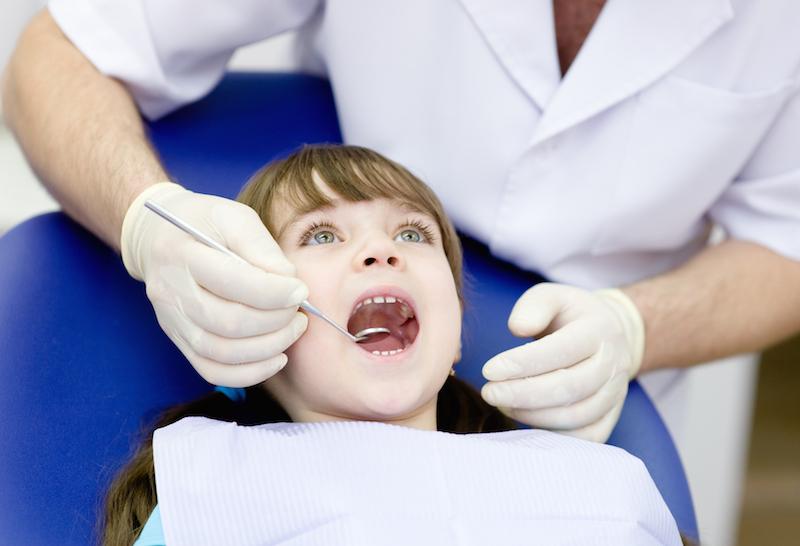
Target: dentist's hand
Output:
{"points": [[232, 321], [574, 378]]}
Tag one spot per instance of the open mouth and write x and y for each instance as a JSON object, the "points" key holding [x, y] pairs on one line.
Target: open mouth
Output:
{"points": [[390, 312]]}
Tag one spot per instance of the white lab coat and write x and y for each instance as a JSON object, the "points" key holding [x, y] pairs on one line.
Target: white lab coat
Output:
{"points": [[674, 115]]}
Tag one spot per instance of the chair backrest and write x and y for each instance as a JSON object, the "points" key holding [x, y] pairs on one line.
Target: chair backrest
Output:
{"points": [[83, 362]]}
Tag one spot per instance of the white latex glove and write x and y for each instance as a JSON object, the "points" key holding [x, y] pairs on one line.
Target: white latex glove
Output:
{"points": [[232, 321], [574, 378]]}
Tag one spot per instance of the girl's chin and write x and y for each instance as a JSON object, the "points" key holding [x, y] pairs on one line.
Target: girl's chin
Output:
{"points": [[392, 407]]}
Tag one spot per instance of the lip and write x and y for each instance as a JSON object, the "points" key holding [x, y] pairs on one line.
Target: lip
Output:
{"points": [[397, 292]]}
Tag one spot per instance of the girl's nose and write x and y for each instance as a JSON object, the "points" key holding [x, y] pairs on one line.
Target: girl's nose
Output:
{"points": [[379, 251]]}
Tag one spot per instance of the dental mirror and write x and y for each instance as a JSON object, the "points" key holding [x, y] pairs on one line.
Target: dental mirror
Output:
{"points": [[368, 333], [363, 335]]}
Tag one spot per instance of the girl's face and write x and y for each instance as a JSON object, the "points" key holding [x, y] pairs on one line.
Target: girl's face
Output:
{"points": [[369, 263]]}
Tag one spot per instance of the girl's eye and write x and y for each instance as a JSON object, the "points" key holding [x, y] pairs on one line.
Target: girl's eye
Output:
{"points": [[321, 233], [409, 236], [416, 231], [322, 238]]}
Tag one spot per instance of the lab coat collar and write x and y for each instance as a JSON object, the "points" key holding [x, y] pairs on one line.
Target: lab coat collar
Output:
{"points": [[521, 35], [633, 44]]}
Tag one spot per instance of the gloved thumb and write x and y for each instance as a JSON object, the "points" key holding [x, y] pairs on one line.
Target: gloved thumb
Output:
{"points": [[535, 310]]}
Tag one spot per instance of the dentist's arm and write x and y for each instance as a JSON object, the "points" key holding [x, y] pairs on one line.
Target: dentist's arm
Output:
{"points": [[80, 130], [732, 298], [84, 138]]}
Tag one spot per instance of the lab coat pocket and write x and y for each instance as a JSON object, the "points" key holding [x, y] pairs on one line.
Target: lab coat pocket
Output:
{"points": [[687, 142]]}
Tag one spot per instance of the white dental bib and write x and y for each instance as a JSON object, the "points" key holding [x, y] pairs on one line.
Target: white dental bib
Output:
{"points": [[354, 483]]}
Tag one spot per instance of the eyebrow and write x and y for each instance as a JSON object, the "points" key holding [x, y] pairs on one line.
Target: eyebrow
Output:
{"points": [[298, 216]]}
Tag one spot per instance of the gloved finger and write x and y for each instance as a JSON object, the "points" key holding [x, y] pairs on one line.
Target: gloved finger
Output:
{"points": [[234, 375], [244, 350], [600, 430], [561, 349], [536, 309], [242, 231], [557, 388], [578, 415], [232, 280], [238, 375], [232, 319]]}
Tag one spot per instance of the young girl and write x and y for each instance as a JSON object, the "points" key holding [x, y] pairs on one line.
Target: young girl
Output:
{"points": [[330, 465]]}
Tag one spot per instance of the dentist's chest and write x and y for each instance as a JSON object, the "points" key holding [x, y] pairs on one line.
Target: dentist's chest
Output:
{"points": [[657, 115]]}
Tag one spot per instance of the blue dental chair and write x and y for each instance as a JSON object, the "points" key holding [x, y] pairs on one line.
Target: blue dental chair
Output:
{"points": [[83, 362]]}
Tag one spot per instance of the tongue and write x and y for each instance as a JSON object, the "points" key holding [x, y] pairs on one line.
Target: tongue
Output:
{"points": [[396, 317]]}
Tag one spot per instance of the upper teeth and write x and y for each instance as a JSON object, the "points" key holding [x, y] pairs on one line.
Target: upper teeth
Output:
{"points": [[378, 299]]}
